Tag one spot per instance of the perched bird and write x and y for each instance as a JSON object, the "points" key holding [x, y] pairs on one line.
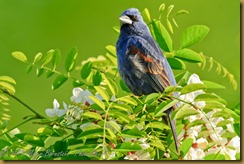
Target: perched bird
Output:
{"points": [[141, 62]]}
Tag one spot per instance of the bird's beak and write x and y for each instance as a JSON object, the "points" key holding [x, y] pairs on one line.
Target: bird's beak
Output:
{"points": [[125, 20]]}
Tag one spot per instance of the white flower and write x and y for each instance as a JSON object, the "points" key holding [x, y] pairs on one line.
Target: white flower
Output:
{"points": [[141, 154], [194, 154], [13, 132], [81, 96], [194, 131], [202, 143], [230, 152], [56, 111], [131, 156], [194, 78], [235, 142]]}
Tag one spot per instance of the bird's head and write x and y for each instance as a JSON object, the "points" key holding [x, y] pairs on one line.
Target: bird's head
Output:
{"points": [[130, 16], [131, 22]]}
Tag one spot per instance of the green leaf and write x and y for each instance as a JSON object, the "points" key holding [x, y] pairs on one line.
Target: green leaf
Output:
{"points": [[120, 115], [19, 56], [182, 12], [158, 144], [163, 106], [70, 60], [210, 157], [48, 57], [128, 99], [175, 23], [161, 7], [123, 86], [111, 84], [170, 8], [60, 146], [206, 97], [176, 64], [188, 55], [111, 136], [74, 141], [49, 73], [192, 87], [92, 115], [4, 143], [204, 134], [111, 58], [127, 146], [193, 35], [122, 107], [114, 125], [56, 58], [29, 68], [44, 131], [162, 36], [151, 96], [133, 133], [7, 86], [223, 123], [86, 70], [60, 80], [237, 128], [157, 125], [92, 133], [96, 78], [185, 146], [98, 102], [182, 78], [212, 85], [37, 57], [185, 112], [5, 98], [77, 83], [146, 15], [7, 79], [116, 29], [39, 71], [221, 114], [102, 92], [213, 105], [216, 156], [195, 123], [33, 140], [111, 50]]}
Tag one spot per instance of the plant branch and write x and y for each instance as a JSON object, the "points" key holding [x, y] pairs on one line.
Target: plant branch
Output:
{"points": [[16, 126], [39, 116]]}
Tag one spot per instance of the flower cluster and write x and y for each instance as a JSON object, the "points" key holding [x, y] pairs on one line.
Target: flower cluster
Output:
{"points": [[72, 113], [208, 137]]}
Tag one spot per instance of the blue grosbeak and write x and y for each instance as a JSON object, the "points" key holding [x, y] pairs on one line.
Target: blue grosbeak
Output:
{"points": [[141, 63]]}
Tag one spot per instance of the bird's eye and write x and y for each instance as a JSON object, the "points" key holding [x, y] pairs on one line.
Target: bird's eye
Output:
{"points": [[133, 17]]}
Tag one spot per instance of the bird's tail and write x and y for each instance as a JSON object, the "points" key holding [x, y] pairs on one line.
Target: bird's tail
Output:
{"points": [[173, 127]]}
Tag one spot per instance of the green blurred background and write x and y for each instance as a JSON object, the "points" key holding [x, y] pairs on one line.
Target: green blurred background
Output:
{"points": [[38, 26]]}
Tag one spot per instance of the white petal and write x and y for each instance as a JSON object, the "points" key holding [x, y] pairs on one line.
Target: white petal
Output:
{"points": [[85, 93], [60, 112], [76, 92], [55, 104], [50, 112], [194, 78], [13, 132]]}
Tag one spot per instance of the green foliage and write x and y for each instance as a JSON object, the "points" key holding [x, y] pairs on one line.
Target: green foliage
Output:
{"points": [[111, 123]]}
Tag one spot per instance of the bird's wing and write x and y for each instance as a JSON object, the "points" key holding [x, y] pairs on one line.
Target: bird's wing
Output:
{"points": [[153, 63]]}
